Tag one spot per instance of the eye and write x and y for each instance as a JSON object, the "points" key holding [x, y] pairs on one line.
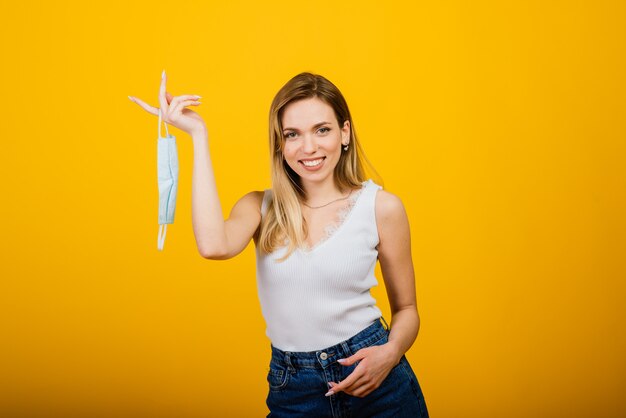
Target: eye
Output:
{"points": [[290, 135], [323, 130]]}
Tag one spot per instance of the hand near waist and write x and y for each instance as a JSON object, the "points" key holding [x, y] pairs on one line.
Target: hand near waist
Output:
{"points": [[374, 364]]}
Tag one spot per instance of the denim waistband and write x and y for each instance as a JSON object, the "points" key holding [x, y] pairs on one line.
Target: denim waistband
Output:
{"points": [[320, 359]]}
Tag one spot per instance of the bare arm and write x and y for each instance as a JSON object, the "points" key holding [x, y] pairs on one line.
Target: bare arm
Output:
{"points": [[216, 238], [394, 254], [396, 263]]}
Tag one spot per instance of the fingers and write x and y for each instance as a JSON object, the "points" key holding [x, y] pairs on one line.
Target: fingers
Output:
{"points": [[175, 101], [360, 387], [162, 97], [349, 361], [350, 384], [355, 390], [180, 102], [150, 109], [362, 391], [356, 374], [352, 377], [360, 383], [168, 103]]}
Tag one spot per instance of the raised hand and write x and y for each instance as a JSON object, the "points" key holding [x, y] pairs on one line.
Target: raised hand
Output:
{"points": [[174, 111]]}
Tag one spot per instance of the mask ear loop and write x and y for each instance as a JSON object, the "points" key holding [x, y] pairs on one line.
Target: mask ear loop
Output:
{"points": [[167, 134], [163, 227], [161, 237]]}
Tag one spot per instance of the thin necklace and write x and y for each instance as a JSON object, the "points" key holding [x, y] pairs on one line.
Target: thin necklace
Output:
{"points": [[336, 200]]}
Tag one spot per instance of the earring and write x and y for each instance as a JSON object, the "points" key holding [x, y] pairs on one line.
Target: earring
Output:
{"points": [[346, 147]]}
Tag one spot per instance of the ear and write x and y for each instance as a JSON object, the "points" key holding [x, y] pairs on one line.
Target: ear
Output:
{"points": [[345, 133]]}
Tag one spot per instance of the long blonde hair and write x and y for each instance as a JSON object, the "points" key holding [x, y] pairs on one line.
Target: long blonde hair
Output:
{"points": [[283, 220]]}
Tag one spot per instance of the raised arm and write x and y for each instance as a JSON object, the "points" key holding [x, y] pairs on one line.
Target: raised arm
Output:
{"points": [[216, 238]]}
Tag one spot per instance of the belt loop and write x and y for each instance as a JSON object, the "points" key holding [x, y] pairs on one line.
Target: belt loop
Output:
{"points": [[347, 350], [386, 326], [288, 361]]}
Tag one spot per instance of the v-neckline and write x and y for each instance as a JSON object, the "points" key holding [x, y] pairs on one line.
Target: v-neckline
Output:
{"points": [[334, 228]]}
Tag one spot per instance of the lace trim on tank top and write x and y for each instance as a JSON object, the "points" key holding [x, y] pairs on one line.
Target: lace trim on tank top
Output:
{"points": [[342, 215]]}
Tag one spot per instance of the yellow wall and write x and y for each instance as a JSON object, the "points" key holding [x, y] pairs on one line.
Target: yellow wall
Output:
{"points": [[499, 124]]}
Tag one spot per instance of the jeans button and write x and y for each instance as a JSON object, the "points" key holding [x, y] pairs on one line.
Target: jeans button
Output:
{"points": [[323, 356]]}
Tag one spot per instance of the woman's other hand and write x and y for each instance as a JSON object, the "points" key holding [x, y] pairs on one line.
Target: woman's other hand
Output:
{"points": [[173, 109], [375, 363]]}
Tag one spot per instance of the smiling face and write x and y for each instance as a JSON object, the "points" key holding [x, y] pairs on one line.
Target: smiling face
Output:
{"points": [[313, 139]]}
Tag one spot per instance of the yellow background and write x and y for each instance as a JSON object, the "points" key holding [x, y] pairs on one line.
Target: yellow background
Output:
{"points": [[499, 124]]}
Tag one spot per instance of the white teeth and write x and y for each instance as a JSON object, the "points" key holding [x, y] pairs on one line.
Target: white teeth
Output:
{"points": [[312, 163]]}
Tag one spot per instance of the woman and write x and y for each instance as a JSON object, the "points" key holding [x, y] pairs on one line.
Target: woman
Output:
{"points": [[318, 232]]}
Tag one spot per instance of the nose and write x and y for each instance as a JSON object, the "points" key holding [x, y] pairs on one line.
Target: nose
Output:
{"points": [[309, 144]]}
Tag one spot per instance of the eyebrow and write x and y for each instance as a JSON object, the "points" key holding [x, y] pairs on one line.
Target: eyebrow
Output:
{"points": [[317, 125]]}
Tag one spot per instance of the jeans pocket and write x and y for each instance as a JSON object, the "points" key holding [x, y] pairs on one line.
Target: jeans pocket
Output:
{"points": [[277, 377]]}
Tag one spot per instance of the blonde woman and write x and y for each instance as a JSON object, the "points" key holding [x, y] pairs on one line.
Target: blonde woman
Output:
{"points": [[319, 232]]}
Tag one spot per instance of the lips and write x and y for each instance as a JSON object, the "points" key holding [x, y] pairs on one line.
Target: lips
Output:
{"points": [[312, 163]]}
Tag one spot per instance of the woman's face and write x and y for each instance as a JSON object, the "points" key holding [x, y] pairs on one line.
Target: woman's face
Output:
{"points": [[313, 139]]}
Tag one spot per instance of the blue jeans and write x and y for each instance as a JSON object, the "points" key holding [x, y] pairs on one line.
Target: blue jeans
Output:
{"points": [[298, 381]]}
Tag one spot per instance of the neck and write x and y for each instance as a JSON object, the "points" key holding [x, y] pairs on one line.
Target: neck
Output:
{"points": [[321, 193]]}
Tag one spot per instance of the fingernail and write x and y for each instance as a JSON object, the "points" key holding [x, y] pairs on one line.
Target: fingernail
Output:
{"points": [[330, 384], [163, 74], [330, 392], [341, 360], [131, 98], [197, 97]]}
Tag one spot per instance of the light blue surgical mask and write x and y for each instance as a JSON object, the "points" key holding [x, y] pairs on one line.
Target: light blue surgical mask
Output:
{"points": [[167, 165]]}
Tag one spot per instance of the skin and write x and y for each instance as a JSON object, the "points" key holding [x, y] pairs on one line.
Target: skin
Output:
{"points": [[313, 131]]}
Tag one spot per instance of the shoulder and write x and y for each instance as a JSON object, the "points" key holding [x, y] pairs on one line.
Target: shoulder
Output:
{"points": [[392, 223], [250, 201], [388, 206], [253, 196]]}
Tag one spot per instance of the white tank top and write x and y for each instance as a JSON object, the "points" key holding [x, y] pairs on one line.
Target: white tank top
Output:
{"points": [[319, 297]]}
